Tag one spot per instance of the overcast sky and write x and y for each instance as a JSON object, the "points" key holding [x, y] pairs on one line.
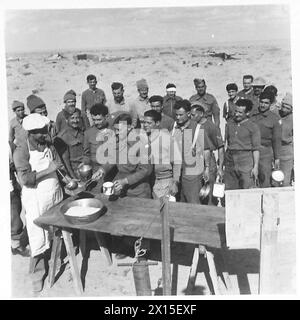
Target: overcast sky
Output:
{"points": [[31, 30]]}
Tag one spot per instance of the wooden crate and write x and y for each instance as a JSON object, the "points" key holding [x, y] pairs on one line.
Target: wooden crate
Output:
{"points": [[264, 219]]}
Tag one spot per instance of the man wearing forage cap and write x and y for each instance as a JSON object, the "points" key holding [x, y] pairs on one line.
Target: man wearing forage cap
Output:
{"points": [[69, 109], [287, 142], [37, 105], [169, 101], [270, 130], [207, 100], [16, 130], [141, 103], [36, 163], [258, 85]]}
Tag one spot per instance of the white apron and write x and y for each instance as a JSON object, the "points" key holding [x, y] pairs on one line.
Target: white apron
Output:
{"points": [[38, 200]]}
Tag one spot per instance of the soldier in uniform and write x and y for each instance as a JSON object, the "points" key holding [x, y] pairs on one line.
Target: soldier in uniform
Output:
{"points": [[287, 143], [212, 141], [166, 122], [258, 86], [169, 101], [229, 105], [207, 100], [192, 175], [242, 137], [247, 92], [270, 130]]}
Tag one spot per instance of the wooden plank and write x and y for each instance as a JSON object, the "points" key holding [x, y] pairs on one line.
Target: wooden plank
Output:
{"points": [[32, 264], [243, 212], [165, 249], [193, 272], [73, 263], [286, 210], [55, 255], [213, 271], [82, 243], [278, 243], [102, 243], [268, 245], [243, 216], [285, 273], [225, 258]]}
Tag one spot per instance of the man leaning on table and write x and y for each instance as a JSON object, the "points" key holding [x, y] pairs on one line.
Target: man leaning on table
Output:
{"points": [[133, 175]]}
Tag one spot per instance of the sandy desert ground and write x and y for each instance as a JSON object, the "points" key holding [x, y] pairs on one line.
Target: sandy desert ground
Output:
{"points": [[50, 80]]}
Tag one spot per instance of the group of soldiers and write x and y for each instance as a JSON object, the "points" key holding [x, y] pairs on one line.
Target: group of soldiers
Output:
{"points": [[258, 139]]}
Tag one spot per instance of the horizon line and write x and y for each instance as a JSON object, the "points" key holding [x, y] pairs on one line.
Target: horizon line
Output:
{"points": [[60, 50]]}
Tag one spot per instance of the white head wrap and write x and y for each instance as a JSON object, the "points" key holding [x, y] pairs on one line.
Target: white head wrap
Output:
{"points": [[35, 121]]}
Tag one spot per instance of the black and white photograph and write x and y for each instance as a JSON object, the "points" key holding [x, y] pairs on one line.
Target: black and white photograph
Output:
{"points": [[151, 150]]}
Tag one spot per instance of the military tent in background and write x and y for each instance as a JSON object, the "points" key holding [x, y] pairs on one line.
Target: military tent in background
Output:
{"points": [[85, 56]]}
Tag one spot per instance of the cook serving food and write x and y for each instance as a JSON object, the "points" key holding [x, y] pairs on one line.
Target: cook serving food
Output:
{"points": [[36, 163]]}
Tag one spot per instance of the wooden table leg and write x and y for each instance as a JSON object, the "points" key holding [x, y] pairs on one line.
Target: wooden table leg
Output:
{"points": [[55, 255], [193, 272], [82, 242], [212, 271], [102, 243], [225, 258], [73, 262], [166, 248], [32, 264]]}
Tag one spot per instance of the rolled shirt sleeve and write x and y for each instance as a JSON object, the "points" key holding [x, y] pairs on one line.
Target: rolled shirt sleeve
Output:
{"points": [[255, 137], [11, 133], [26, 176]]}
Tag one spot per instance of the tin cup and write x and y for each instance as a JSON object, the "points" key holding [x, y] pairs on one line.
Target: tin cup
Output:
{"points": [[108, 188]]}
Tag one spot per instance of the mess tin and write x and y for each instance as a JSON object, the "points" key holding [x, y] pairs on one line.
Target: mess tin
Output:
{"points": [[219, 188], [277, 178], [108, 188]]}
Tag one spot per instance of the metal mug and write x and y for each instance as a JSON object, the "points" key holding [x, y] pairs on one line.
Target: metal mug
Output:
{"points": [[108, 188]]}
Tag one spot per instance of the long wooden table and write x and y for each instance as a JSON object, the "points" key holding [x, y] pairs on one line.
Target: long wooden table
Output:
{"points": [[191, 223]]}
